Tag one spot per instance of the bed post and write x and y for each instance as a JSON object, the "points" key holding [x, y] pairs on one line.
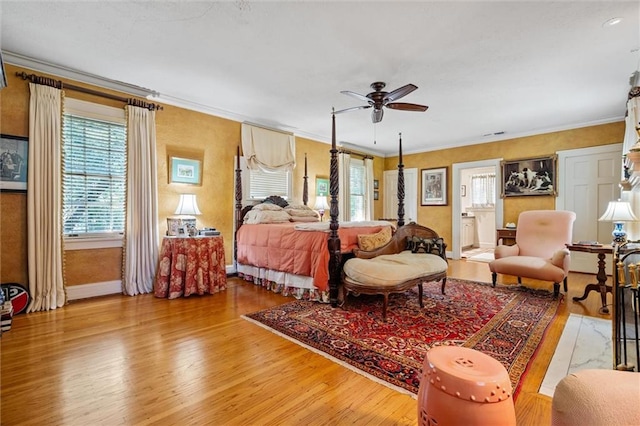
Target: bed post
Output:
{"points": [[400, 186], [238, 208], [305, 184], [335, 257]]}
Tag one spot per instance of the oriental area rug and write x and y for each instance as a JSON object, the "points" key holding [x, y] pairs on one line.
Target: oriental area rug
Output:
{"points": [[507, 323]]}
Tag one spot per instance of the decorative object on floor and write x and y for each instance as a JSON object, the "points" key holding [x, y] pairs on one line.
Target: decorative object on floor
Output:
{"points": [[321, 205], [462, 386], [618, 212], [484, 257], [597, 397], [507, 323], [585, 343]]}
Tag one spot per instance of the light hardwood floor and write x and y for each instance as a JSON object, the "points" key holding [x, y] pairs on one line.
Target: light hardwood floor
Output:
{"points": [[119, 360]]}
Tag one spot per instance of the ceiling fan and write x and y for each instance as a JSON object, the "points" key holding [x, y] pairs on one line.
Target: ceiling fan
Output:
{"points": [[378, 99]]}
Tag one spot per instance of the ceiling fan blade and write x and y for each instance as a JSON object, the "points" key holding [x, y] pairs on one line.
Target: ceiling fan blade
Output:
{"points": [[376, 115], [400, 92], [406, 107], [352, 109], [356, 95]]}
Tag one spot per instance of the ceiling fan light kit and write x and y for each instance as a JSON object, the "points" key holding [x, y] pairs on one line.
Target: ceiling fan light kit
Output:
{"points": [[379, 99]]}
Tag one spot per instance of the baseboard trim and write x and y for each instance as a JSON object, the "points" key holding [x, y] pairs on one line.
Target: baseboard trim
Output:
{"points": [[84, 291]]}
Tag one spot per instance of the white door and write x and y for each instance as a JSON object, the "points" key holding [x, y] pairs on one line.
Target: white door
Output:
{"points": [[587, 180], [410, 194]]}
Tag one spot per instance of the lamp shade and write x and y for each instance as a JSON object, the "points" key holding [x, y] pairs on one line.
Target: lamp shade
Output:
{"points": [[618, 211], [321, 203], [188, 205]]}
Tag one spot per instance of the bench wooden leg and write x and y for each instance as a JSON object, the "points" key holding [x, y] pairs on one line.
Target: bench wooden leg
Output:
{"points": [[420, 295], [444, 282]]}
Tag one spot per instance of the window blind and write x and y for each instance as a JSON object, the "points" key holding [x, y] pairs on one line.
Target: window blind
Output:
{"points": [[93, 175], [263, 184], [483, 190]]}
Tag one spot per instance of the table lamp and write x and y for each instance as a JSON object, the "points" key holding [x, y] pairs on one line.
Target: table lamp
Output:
{"points": [[618, 212], [187, 208], [321, 205]]}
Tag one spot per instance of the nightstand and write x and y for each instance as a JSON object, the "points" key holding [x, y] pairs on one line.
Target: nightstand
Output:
{"points": [[505, 234]]}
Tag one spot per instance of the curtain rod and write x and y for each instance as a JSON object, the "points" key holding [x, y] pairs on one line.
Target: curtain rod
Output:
{"points": [[60, 85], [346, 151]]}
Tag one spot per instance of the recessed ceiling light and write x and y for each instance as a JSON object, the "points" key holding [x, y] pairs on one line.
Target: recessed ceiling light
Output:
{"points": [[611, 22]]}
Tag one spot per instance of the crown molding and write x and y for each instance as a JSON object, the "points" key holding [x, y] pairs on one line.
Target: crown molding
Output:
{"points": [[81, 76]]}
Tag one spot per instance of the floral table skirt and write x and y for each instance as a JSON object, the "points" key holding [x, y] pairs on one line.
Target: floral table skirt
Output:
{"points": [[190, 265]]}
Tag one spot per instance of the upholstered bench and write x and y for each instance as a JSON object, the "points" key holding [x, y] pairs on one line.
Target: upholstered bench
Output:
{"points": [[414, 255]]}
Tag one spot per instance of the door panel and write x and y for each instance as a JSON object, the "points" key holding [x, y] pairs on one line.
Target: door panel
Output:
{"points": [[591, 178]]}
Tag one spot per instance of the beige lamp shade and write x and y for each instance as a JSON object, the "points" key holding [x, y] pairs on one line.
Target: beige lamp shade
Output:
{"points": [[187, 205], [321, 204], [618, 211]]}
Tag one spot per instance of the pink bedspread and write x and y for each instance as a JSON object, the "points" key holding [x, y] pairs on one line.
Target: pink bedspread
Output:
{"points": [[280, 247]]}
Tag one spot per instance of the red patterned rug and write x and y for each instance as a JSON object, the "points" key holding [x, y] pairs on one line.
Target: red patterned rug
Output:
{"points": [[507, 323]]}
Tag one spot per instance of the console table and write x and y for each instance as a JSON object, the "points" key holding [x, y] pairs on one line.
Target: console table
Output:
{"points": [[601, 286], [190, 265]]}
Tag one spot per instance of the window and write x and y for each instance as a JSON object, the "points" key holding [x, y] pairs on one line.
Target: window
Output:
{"points": [[93, 170], [483, 190], [259, 184], [357, 189]]}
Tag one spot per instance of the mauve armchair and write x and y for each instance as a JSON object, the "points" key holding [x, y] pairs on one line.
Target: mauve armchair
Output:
{"points": [[540, 251]]}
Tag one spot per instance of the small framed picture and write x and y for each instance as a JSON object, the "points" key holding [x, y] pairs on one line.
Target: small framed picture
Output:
{"points": [[463, 190], [185, 170], [13, 163], [376, 195], [322, 187], [376, 184], [434, 187]]}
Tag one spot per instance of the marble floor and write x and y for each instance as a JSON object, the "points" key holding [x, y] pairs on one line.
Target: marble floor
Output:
{"points": [[585, 344]]}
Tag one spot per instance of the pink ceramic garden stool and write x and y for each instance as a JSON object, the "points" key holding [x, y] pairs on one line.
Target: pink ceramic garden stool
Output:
{"points": [[461, 386]]}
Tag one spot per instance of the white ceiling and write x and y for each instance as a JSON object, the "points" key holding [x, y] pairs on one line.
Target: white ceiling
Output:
{"points": [[483, 67]]}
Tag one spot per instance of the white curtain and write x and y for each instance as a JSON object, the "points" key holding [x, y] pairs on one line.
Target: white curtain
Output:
{"points": [[344, 177], [268, 150], [141, 233], [632, 141], [44, 200], [368, 193]]}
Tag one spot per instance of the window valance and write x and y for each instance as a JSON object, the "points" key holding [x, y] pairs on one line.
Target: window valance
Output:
{"points": [[268, 150]]}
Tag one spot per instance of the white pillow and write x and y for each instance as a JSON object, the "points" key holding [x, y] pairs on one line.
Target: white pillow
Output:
{"points": [[266, 216], [267, 206]]}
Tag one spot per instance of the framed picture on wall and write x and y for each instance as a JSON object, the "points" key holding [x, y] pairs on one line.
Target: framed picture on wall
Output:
{"points": [[322, 187], [14, 158], [434, 187], [185, 170], [531, 176]]}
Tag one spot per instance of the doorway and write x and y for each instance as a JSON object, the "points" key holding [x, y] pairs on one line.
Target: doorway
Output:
{"points": [[486, 220]]}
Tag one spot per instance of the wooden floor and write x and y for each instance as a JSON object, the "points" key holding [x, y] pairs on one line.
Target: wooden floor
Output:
{"points": [[119, 360]]}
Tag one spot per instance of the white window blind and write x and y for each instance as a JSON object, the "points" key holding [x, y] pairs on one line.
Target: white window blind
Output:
{"points": [[357, 188], [263, 184], [483, 190], [93, 170]]}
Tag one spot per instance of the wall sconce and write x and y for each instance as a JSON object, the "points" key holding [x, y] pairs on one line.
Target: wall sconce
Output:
{"points": [[618, 212]]}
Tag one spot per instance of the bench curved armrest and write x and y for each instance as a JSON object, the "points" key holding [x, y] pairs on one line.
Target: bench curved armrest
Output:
{"points": [[398, 242]]}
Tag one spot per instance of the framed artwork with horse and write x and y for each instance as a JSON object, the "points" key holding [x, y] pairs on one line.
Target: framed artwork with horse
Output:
{"points": [[531, 176]]}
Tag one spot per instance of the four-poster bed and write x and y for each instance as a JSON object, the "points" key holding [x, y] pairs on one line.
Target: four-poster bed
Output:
{"points": [[315, 275]]}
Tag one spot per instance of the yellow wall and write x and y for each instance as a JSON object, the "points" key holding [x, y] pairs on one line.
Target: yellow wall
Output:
{"points": [[439, 217], [178, 132], [215, 140]]}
